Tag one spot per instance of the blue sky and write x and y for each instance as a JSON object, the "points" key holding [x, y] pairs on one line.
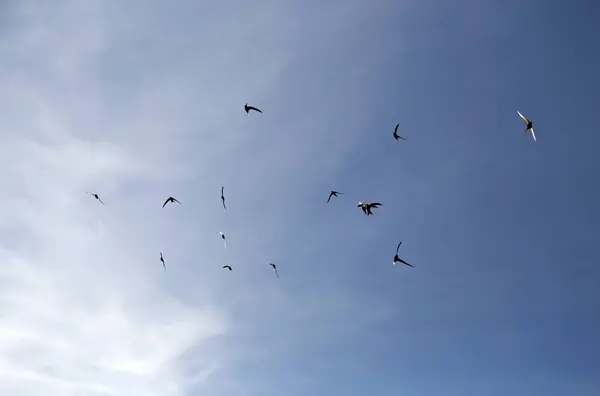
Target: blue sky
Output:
{"points": [[141, 100]]}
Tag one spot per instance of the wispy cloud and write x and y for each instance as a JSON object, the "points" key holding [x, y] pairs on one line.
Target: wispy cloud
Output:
{"points": [[138, 102]]}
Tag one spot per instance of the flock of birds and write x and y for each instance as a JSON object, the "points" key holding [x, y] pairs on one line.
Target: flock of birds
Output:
{"points": [[365, 206]]}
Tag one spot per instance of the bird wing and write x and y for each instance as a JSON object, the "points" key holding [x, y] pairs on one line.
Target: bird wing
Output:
{"points": [[254, 108], [222, 188], [398, 247], [100, 201], [375, 204], [396, 129], [330, 195], [175, 200], [522, 116], [224, 206], [401, 137], [166, 202], [533, 134], [404, 262]]}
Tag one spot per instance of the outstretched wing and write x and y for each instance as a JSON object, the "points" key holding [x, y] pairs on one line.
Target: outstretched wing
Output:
{"points": [[396, 129], [398, 247], [404, 262], [330, 195], [222, 188], [375, 204], [523, 117], [166, 202], [533, 134], [255, 109], [174, 200], [100, 201]]}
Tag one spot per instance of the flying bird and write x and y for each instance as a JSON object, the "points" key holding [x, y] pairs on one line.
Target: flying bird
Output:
{"points": [[366, 207], [170, 199], [333, 194], [398, 259], [396, 136], [528, 126], [248, 108], [95, 196], [228, 267], [223, 197], [274, 269], [162, 260], [223, 237]]}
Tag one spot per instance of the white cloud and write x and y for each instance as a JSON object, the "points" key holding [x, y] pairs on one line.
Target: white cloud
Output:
{"points": [[95, 101]]}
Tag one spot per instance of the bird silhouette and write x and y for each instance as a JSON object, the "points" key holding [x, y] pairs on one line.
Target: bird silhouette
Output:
{"points": [[398, 259], [223, 237], [366, 207], [162, 260], [170, 199], [274, 269], [528, 126], [248, 108], [95, 196], [228, 267], [333, 194], [396, 136], [223, 197]]}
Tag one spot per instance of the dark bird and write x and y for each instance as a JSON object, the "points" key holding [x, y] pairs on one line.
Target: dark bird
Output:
{"points": [[96, 196], [529, 126], [223, 238], [333, 194], [248, 108], [366, 207], [162, 260], [223, 197], [398, 259], [396, 136], [170, 199], [228, 267], [274, 269]]}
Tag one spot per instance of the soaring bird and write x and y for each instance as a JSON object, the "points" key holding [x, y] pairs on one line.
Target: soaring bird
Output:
{"points": [[223, 237], [274, 269], [95, 196], [333, 194], [248, 108], [366, 207], [228, 267], [396, 136], [170, 199], [398, 259], [162, 260], [223, 197], [528, 126]]}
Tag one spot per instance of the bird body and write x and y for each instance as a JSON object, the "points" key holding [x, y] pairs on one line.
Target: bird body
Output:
{"points": [[223, 197], [333, 194], [396, 136], [223, 238], [528, 125], [366, 207], [248, 108], [398, 259], [96, 196], [274, 269], [162, 260], [170, 199]]}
